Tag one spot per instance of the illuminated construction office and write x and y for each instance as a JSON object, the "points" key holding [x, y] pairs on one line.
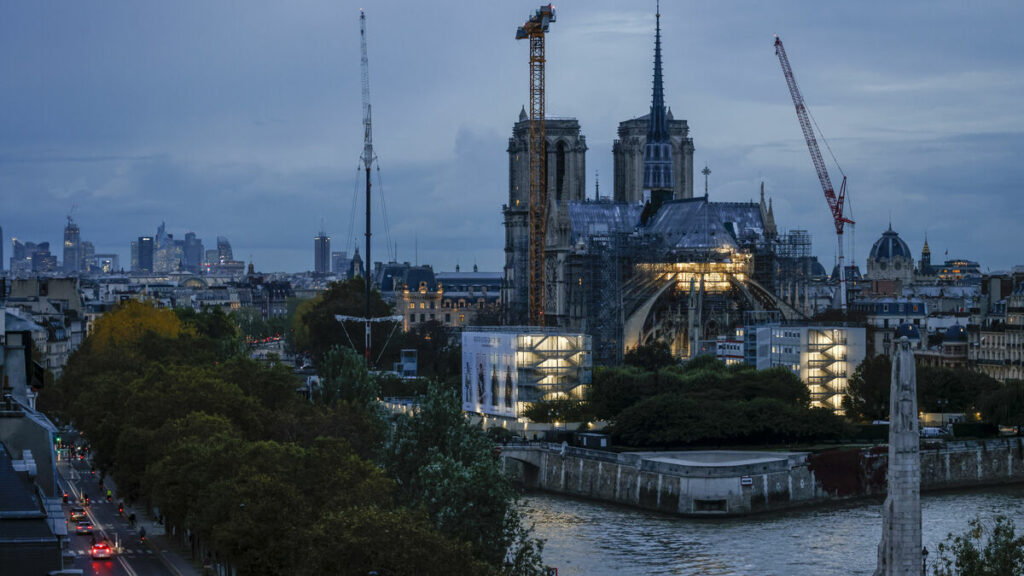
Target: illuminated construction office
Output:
{"points": [[505, 368]]}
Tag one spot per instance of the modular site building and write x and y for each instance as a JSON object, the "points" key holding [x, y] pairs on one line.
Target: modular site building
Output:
{"points": [[506, 368]]}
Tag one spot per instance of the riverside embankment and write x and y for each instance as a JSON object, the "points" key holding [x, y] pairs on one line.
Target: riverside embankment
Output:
{"points": [[733, 482]]}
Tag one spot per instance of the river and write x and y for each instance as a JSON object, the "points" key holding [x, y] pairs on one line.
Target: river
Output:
{"points": [[593, 539]]}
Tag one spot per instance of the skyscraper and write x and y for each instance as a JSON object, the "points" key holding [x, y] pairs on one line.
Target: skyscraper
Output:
{"points": [[322, 253], [135, 255], [72, 248], [194, 252], [224, 253], [88, 255], [146, 249]]}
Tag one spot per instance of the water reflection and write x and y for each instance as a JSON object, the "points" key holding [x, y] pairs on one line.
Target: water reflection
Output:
{"points": [[593, 539]]}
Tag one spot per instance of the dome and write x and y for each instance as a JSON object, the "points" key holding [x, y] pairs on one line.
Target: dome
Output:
{"points": [[909, 330], [955, 333], [890, 245]]}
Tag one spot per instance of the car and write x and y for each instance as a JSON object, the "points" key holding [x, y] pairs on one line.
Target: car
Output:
{"points": [[78, 513], [101, 550], [83, 527]]}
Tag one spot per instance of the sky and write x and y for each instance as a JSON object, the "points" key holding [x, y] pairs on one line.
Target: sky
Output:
{"points": [[243, 118]]}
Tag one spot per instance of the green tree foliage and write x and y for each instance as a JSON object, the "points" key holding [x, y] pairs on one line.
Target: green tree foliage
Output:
{"points": [[438, 351], [868, 390], [559, 411], [1004, 405], [343, 377], [320, 331], [706, 403], [938, 389], [992, 549], [652, 356], [447, 467], [272, 483]]}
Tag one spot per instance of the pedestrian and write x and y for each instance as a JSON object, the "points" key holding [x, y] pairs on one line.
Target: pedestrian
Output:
{"points": [[131, 519]]}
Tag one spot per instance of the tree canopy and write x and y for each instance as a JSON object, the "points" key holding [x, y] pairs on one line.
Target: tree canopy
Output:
{"points": [[221, 444]]}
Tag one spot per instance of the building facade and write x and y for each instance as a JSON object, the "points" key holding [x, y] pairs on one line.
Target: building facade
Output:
{"points": [[566, 182]]}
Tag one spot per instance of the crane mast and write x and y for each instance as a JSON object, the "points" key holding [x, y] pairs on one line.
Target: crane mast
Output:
{"points": [[534, 30], [368, 158], [835, 203]]}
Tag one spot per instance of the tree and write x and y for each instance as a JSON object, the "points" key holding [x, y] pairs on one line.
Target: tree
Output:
{"points": [[992, 549], [1004, 405], [446, 466], [347, 299], [867, 394], [438, 350], [343, 377], [651, 356]]}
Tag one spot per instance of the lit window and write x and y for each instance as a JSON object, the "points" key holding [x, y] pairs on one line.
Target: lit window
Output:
{"points": [[423, 304], [412, 305]]}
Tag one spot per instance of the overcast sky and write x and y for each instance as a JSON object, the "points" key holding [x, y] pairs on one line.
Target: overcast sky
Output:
{"points": [[243, 118]]}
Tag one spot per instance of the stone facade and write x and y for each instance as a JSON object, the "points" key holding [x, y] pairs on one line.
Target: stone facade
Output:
{"points": [[566, 182], [628, 157]]}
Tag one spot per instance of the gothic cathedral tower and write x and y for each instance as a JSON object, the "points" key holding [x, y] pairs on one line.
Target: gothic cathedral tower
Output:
{"points": [[566, 181]]}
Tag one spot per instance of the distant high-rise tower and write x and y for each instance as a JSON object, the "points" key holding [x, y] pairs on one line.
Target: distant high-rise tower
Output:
{"points": [[566, 182], [72, 248], [322, 253], [654, 152], [135, 255], [224, 249], [193, 251], [88, 255], [146, 249]]}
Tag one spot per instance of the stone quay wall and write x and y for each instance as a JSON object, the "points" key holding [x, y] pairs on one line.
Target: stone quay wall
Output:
{"points": [[663, 485], [657, 481]]}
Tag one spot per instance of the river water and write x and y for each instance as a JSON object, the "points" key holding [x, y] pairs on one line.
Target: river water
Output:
{"points": [[593, 539]]}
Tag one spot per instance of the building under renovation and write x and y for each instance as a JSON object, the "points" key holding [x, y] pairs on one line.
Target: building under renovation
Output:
{"points": [[655, 263]]}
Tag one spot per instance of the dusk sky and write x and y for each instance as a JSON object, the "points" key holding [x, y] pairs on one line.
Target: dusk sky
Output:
{"points": [[243, 118]]}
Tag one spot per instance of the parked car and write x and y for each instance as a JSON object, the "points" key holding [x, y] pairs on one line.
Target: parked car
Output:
{"points": [[101, 550]]}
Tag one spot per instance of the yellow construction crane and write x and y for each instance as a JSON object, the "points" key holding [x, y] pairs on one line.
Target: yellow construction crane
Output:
{"points": [[534, 29]]}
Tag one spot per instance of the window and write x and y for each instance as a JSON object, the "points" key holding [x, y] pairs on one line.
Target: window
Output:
{"points": [[431, 316], [423, 305], [423, 317], [462, 318], [447, 318], [412, 305]]}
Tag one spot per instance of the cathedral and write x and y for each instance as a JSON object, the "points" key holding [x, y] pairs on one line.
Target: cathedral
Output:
{"points": [[653, 153]]}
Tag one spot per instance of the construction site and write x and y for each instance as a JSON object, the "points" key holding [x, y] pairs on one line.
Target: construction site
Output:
{"points": [[654, 262]]}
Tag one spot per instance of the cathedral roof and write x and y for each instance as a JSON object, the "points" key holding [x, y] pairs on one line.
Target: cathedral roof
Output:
{"points": [[890, 245]]}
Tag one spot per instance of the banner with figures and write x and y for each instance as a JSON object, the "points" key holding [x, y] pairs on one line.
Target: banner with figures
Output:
{"points": [[489, 375]]}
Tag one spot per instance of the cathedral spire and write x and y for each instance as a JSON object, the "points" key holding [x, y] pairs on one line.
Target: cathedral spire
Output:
{"points": [[658, 128], [658, 169]]}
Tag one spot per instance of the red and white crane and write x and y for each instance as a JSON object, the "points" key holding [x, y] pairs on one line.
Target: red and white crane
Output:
{"points": [[835, 203]]}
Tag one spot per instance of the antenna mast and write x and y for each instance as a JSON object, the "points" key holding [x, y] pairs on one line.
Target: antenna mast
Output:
{"points": [[368, 159]]}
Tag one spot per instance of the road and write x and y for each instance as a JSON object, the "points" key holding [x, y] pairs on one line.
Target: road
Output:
{"points": [[133, 557]]}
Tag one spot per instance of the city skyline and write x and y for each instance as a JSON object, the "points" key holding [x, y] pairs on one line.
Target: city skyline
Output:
{"points": [[252, 129]]}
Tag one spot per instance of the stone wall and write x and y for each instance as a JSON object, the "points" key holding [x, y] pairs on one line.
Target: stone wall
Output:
{"points": [[799, 480], [664, 486]]}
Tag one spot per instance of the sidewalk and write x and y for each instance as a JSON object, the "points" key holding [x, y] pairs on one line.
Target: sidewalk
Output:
{"points": [[174, 555], [171, 552]]}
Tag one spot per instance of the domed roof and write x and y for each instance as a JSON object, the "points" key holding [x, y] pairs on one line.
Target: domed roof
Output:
{"points": [[890, 245], [909, 330], [955, 333]]}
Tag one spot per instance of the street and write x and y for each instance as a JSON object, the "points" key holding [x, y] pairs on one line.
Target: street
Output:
{"points": [[132, 557]]}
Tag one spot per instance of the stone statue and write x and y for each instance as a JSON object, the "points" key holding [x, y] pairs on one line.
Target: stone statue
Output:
{"points": [[899, 552]]}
